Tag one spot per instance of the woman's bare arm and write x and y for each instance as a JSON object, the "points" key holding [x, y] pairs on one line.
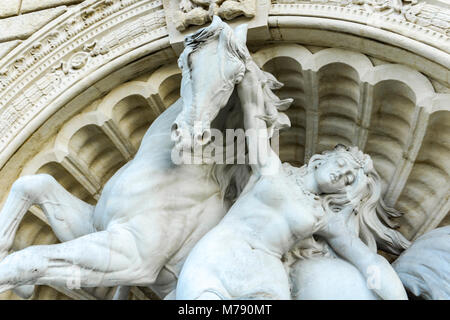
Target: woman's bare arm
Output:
{"points": [[263, 160], [379, 274]]}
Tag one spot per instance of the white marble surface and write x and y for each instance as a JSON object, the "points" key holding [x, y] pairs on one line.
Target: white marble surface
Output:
{"points": [[425, 120]]}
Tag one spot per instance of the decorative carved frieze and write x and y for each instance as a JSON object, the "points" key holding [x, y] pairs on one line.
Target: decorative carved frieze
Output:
{"points": [[185, 16], [82, 40], [412, 18], [199, 12], [430, 16]]}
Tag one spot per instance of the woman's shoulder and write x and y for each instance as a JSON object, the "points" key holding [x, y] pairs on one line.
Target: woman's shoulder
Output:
{"points": [[276, 187]]}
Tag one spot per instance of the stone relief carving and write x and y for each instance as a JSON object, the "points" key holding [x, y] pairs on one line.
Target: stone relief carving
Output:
{"points": [[384, 6], [110, 244], [61, 42], [107, 43], [413, 11], [199, 12], [419, 267], [142, 26], [335, 197], [430, 16], [81, 21], [34, 60]]}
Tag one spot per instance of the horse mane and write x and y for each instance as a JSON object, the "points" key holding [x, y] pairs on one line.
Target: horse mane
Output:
{"points": [[273, 105], [203, 35], [275, 119], [233, 178], [198, 39]]}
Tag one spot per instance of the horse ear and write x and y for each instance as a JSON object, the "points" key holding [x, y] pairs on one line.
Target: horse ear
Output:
{"points": [[216, 20], [240, 32]]}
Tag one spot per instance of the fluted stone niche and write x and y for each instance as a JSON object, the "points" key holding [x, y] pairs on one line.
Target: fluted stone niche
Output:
{"points": [[396, 113]]}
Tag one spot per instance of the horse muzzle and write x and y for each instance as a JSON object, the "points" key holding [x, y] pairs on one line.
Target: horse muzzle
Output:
{"points": [[186, 138]]}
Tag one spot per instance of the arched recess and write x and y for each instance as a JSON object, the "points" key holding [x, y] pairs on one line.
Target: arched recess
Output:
{"points": [[286, 64], [425, 196], [67, 180], [386, 110], [142, 56], [392, 118], [133, 116], [339, 96], [408, 102], [88, 148], [167, 82]]}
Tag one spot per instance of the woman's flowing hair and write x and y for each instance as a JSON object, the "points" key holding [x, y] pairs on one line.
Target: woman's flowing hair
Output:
{"points": [[372, 220]]}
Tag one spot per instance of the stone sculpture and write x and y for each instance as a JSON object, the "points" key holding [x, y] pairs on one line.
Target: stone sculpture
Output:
{"points": [[198, 12], [241, 257], [153, 211], [423, 268], [249, 243], [149, 215]]}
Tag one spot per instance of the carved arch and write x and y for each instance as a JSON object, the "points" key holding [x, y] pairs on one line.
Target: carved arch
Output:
{"points": [[121, 40]]}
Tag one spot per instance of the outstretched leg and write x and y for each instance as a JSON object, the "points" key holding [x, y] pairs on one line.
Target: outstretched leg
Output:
{"points": [[68, 216], [105, 258]]}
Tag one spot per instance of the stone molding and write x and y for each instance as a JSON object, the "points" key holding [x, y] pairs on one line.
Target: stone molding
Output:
{"points": [[68, 49], [424, 103], [97, 37], [96, 32], [420, 21], [257, 22]]}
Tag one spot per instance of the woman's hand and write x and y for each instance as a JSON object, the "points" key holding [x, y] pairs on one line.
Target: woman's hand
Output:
{"points": [[350, 247]]}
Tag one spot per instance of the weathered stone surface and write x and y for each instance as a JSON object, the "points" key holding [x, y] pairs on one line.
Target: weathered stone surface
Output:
{"points": [[21, 27], [255, 16], [9, 8], [34, 5], [6, 47], [373, 85]]}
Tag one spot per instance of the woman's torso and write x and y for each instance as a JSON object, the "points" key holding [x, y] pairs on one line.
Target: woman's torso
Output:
{"points": [[274, 213]]}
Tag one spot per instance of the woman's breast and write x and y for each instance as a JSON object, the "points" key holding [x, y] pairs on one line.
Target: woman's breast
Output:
{"points": [[300, 210], [271, 190]]}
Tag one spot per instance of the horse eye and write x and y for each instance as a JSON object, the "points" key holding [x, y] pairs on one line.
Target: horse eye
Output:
{"points": [[180, 64]]}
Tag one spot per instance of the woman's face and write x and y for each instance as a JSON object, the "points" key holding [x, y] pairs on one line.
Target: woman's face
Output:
{"points": [[334, 174]]}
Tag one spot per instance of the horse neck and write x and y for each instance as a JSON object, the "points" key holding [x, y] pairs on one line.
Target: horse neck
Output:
{"points": [[156, 143], [230, 117], [231, 178]]}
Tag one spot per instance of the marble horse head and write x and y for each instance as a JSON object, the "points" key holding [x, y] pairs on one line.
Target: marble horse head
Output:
{"points": [[212, 63]]}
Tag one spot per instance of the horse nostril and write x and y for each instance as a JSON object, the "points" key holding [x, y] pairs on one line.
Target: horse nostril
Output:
{"points": [[176, 133], [204, 137]]}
